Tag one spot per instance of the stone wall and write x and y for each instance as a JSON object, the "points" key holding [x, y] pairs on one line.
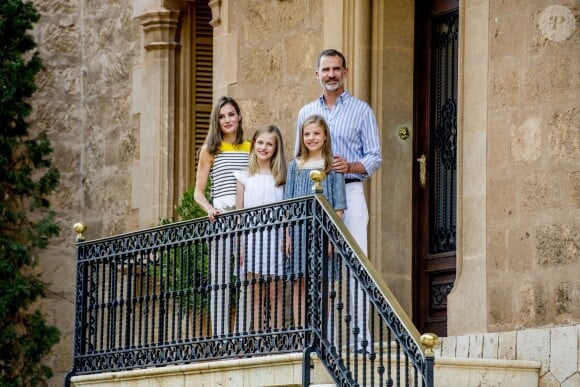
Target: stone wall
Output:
{"points": [[533, 164], [83, 101], [557, 350], [266, 59], [277, 44]]}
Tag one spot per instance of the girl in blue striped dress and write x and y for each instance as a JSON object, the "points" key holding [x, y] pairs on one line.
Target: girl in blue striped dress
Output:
{"points": [[314, 153]]}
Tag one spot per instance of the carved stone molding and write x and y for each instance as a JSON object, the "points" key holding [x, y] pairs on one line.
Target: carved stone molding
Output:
{"points": [[157, 119], [215, 12], [159, 27]]}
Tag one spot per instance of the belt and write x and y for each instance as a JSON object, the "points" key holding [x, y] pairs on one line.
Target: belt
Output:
{"points": [[348, 181]]}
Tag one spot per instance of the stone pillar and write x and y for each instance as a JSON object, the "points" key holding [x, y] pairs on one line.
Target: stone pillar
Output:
{"points": [[153, 187], [361, 57], [467, 302]]}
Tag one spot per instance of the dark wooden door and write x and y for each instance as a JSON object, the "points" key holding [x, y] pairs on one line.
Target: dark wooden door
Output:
{"points": [[435, 162]]}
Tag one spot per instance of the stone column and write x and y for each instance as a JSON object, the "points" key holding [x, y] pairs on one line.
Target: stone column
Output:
{"points": [[360, 61], [467, 302], [154, 192], [357, 41]]}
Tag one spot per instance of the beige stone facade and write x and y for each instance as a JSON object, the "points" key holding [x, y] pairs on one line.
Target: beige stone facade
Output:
{"points": [[114, 98]]}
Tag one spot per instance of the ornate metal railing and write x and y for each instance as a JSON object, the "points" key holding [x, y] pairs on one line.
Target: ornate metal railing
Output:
{"points": [[181, 293]]}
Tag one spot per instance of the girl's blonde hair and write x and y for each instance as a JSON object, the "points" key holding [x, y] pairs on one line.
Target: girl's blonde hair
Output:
{"points": [[302, 155], [214, 135], [277, 162]]}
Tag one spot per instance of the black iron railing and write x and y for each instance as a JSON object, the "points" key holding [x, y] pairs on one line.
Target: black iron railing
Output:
{"points": [[264, 280]]}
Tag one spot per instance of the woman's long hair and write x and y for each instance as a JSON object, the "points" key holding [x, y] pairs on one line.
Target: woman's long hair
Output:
{"points": [[303, 153], [278, 160], [214, 135]]}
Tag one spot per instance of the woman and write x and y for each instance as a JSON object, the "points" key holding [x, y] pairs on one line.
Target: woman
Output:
{"points": [[223, 152]]}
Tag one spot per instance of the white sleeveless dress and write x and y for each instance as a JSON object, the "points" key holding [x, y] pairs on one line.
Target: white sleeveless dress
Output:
{"points": [[260, 189]]}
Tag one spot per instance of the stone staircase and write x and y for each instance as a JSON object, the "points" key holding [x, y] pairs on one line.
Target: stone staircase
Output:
{"points": [[464, 372], [286, 371]]}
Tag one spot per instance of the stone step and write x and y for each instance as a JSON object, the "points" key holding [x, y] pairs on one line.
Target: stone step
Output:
{"points": [[286, 371], [460, 372]]}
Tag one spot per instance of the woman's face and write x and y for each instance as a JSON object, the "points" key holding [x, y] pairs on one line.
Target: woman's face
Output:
{"points": [[229, 119], [313, 137]]}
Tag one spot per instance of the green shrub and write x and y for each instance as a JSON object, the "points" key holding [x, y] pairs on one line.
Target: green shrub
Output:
{"points": [[27, 179], [187, 268]]}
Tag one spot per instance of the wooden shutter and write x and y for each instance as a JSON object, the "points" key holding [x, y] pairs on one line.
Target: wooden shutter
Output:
{"points": [[202, 60]]}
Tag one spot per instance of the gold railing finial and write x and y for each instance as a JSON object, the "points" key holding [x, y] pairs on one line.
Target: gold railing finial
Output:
{"points": [[317, 176], [429, 340], [80, 229]]}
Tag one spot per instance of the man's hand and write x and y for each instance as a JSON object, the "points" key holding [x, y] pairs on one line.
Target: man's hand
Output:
{"points": [[339, 164]]}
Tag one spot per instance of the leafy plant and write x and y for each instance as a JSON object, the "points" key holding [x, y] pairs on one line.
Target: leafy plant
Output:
{"points": [[188, 208], [187, 268], [27, 178]]}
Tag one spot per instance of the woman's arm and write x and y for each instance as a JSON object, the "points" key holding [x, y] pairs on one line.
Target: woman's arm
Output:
{"points": [[202, 175]]}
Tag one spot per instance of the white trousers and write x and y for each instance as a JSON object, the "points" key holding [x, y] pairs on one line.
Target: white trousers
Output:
{"points": [[356, 219], [221, 258]]}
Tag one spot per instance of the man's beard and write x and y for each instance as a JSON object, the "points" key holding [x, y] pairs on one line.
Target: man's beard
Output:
{"points": [[334, 87]]}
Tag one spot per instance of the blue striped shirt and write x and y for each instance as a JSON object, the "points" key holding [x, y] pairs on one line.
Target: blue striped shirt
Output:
{"points": [[353, 128]]}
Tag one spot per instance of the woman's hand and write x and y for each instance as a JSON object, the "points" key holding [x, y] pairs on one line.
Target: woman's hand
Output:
{"points": [[212, 213]]}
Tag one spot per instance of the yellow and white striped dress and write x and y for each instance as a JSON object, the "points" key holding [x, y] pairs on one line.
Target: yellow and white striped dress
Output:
{"points": [[228, 159]]}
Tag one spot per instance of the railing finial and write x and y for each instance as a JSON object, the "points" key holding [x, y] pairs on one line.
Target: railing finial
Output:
{"points": [[80, 229], [317, 176], [429, 340]]}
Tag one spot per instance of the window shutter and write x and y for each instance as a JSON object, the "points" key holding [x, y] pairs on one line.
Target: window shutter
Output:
{"points": [[202, 73]]}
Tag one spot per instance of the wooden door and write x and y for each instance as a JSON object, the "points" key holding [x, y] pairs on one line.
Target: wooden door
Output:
{"points": [[435, 162]]}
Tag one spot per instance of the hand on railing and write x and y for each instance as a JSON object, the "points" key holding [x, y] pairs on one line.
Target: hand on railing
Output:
{"points": [[212, 213]]}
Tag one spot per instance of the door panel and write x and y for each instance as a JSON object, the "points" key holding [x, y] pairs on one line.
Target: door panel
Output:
{"points": [[435, 169]]}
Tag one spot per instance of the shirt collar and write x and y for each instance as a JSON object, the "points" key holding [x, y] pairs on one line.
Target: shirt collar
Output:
{"points": [[341, 98]]}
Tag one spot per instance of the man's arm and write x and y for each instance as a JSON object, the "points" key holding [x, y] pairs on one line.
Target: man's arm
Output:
{"points": [[371, 145], [339, 164]]}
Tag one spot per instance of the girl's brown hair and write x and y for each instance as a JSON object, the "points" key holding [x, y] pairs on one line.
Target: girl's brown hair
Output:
{"points": [[302, 155], [277, 162]]}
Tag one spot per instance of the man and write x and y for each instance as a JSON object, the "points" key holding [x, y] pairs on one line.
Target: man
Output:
{"points": [[356, 147]]}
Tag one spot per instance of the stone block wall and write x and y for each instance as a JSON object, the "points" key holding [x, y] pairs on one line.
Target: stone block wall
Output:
{"points": [[86, 101], [557, 349], [83, 102], [277, 45], [533, 164]]}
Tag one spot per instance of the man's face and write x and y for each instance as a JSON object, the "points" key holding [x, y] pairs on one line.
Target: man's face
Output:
{"points": [[331, 73]]}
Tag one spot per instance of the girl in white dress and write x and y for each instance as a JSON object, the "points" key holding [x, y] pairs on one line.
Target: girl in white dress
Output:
{"points": [[263, 183]]}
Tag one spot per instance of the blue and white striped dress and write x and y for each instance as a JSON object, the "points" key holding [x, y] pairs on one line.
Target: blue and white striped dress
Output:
{"points": [[298, 183]]}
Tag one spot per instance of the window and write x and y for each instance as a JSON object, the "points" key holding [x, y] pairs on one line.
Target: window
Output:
{"points": [[202, 74]]}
